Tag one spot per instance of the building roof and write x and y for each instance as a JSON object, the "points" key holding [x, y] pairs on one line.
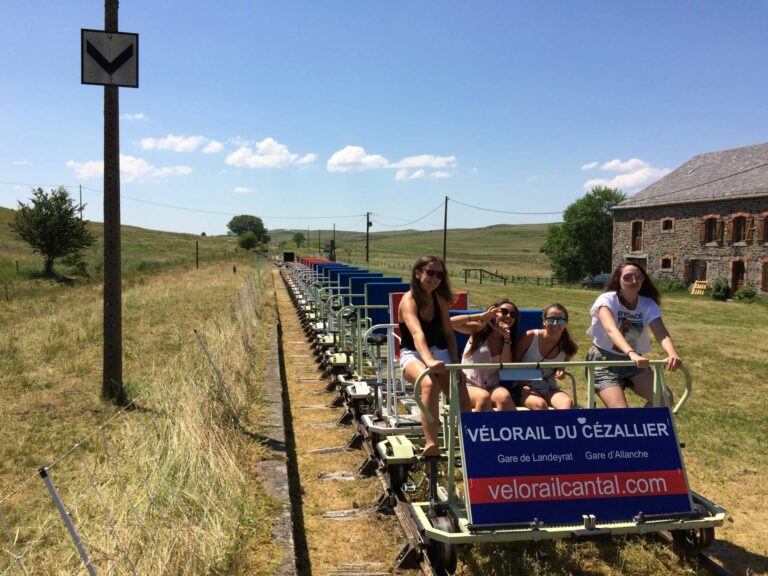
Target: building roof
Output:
{"points": [[727, 174]]}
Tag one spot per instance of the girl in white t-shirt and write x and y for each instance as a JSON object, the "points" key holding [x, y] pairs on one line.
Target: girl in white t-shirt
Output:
{"points": [[619, 319]]}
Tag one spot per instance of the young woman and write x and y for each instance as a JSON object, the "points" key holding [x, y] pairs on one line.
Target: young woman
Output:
{"points": [[619, 319], [427, 341], [552, 343], [492, 337]]}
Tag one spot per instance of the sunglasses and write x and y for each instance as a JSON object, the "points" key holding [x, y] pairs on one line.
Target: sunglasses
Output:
{"points": [[552, 320], [630, 277], [507, 312], [439, 274]]}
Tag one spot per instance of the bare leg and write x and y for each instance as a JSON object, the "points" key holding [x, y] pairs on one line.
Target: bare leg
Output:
{"points": [[613, 397], [559, 400], [430, 397], [502, 398], [480, 399], [533, 401], [643, 386]]}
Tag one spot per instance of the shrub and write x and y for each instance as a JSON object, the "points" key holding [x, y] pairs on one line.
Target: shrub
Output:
{"points": [[673, 286], [748, 294], [720, 289]]}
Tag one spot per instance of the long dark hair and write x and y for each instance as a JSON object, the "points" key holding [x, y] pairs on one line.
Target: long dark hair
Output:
{"points": [[443, 289], [566, 343], [481, 336], [647, 288]]}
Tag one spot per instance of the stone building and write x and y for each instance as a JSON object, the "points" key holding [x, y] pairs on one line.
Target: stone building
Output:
{"points": [[707, 220]]}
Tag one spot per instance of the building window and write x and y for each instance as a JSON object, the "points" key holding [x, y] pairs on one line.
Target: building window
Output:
{"points": [[668, 225], [762, 228], [764, 276], [739, 228], [666, 264], [637, 236], [695, 270], [711, 229]]}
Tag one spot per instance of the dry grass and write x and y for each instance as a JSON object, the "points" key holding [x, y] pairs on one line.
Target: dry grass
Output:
{"points": [[171, 482]]}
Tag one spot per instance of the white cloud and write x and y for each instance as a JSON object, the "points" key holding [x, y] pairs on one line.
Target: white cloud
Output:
{"points": [[87, 170], [21, 162], [242, 190], [175, 143], [212, 147], [355, 159], [306, 159], [269, 153], [589, 166], [131, 168], [425, 161], [636, 174], [621, 166], [130, 117]]}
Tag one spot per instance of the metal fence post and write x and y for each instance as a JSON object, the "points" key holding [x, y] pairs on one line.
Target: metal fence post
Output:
{"points": [[67, 521]]}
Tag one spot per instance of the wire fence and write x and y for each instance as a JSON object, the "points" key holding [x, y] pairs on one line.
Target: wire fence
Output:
{"points": [[157, 488]]}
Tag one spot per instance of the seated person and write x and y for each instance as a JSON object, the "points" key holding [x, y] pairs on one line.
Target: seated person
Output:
{"points": [[552, 343], [491, 340]]}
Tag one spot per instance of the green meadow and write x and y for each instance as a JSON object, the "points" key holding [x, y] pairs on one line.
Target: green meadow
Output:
{"points": [[50, 338]]}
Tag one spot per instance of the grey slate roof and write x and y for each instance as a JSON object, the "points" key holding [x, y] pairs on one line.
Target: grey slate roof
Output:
{"points": [[735, 173]]}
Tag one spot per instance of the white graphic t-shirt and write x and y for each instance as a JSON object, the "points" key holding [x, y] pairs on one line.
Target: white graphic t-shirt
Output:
{"points": [[631, 323]]}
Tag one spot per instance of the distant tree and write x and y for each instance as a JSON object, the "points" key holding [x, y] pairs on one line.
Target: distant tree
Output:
{"points": [[582, 244], [299, 239], [239, 225], [247, 240], [51, 225]]}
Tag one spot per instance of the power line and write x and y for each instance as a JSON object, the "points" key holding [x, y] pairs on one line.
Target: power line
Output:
{"points": [[502, 211], [413, 221]]}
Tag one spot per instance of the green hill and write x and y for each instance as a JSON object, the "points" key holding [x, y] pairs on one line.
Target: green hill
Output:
{"points": [[142, 250]]}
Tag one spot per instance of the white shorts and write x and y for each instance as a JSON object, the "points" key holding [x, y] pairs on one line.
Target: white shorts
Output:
{"points": [[407, 356]]}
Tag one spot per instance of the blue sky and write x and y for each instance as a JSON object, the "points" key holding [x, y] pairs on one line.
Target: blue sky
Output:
{"points": [[311, 114]]}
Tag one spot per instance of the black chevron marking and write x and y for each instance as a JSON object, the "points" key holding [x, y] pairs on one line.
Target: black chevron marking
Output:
{"points": [[113, 66]]}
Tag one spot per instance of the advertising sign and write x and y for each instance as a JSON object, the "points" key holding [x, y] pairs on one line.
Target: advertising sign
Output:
{"points": [[557, 465]]}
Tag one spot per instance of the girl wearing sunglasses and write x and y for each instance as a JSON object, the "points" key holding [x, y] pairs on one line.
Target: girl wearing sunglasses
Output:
{"points": [[427, 341], [552, 343], [619, 319], [492, 338]]}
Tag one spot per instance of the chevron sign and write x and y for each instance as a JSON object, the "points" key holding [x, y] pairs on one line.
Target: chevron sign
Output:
{"points": [[109, 58]]}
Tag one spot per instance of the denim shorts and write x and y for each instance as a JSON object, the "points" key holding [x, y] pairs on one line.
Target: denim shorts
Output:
{"points": [[610, 376], [407, 356]]}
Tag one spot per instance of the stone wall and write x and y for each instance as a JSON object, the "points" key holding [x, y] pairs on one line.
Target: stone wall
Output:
{"points": [[682, 247]]}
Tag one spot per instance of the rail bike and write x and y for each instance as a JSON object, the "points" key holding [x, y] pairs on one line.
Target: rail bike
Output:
{"points": [[523, 475]]}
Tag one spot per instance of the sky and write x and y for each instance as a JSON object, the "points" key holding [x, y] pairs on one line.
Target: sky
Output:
{"points": [[311, 114]]}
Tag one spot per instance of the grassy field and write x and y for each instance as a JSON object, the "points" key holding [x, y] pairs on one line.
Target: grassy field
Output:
{"points": [[508, 250], [50, 355], [142, 251]]}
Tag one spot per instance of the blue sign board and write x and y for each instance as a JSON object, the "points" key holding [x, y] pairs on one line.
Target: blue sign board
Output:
{"points": [[557, 465]]}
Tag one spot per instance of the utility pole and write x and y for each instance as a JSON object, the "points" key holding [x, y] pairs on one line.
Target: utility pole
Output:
{"points": [[368, 225], [81, 201], [445, 229], [112, 382]]}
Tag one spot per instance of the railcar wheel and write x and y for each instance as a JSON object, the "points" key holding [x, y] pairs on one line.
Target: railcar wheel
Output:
{"points": [[441, 554], [398, 475], [691, 542]]}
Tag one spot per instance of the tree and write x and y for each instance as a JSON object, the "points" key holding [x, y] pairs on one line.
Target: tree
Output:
{"points": [[247, 241], [299, 239], [239, 225], [51, 225], [582, 244]]}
